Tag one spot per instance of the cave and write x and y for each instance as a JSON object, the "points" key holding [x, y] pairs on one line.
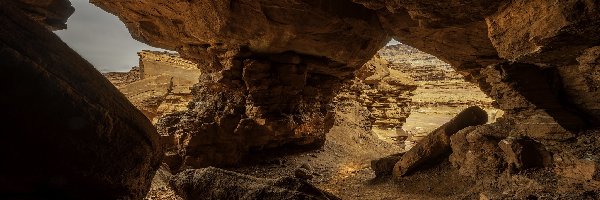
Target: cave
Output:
{"points": [[270, 83]]}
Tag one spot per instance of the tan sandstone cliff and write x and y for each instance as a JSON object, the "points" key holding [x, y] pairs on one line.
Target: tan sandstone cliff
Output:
{"points": [[160, 85]]}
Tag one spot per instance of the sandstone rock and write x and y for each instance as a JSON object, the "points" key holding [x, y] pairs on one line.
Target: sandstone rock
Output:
{"points": [[70, 134], [341, 31], [544, 31], [437, 144], [531, 98], [305, 171], [51, 13], [523, 154], [580, 160], [385, 92], [214, 183], [272, 67], [160, 85], [384, 166], [475, 150], [303, 174]]}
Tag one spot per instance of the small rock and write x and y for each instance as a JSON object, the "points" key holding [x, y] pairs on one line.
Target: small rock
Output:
{"points": [[384, 166], [304, 174]]}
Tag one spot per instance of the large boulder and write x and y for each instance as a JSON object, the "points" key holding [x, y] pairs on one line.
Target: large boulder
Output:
{"points": [[437, 144], [68, 133]]}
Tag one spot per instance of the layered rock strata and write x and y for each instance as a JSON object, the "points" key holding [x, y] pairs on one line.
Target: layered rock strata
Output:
{"points": [[70, 134], [527, 55], [441, 92], [160, 85], [386, 93]]}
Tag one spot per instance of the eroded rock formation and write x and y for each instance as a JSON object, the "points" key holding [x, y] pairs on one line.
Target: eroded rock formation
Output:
{"points": [[273, 66], [68, 133], [386, 92], [160, 85], [267, 79]]}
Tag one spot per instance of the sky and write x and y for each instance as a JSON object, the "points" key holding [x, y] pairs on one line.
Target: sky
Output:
{"points": [[102, 39]]}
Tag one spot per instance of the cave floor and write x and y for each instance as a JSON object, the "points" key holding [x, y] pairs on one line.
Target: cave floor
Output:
{"points": [[342, 167]]}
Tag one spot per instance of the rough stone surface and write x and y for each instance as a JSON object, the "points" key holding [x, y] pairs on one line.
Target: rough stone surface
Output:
{"points": [[437, 144], [268, 61], [214, 183], [51, 13], [385, 91], [384, 166], [522, 153], [70, 134], [340, 30], [545, 32], [475, 151]]}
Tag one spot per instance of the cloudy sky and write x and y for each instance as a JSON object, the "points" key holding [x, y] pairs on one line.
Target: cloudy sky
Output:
{"points": [[101, 38]]}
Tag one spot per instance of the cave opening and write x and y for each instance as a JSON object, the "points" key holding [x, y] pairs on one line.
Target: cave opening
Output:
{"points": [[425, 93]]}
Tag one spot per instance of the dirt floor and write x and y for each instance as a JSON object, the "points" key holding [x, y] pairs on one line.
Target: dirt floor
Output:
{"points": [[342, 166]]}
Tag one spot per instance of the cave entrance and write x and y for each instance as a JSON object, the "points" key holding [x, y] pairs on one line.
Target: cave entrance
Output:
{"points": [[439, 94]]}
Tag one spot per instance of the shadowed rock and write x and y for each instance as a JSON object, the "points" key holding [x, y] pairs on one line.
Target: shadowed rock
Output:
{"points": [[384, 166], [213, 183], [437, 143], [67, 132]]}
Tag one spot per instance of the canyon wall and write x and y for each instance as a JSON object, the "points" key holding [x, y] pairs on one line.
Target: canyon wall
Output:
{"points": [[68, 133], [159, 85]]}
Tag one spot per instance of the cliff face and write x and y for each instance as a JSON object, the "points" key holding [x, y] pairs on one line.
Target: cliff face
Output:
{"points": [[160, 85], [385, 92]]}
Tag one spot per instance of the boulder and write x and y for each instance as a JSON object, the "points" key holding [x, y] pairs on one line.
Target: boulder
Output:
{"points": [[213, 183], [68, 132], [437, 144], [384, 166]]}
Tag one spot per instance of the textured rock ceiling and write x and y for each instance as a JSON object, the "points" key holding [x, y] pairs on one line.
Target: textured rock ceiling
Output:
{"points": [[340, 30], [469, 34]]}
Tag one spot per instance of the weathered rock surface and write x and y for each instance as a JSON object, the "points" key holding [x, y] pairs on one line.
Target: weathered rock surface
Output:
{"points": [[51, 13], [70, 134], [214, 183], [160, 85], [384, 166], [338, 30], [385, 92], [437, 144], [273, 66]]}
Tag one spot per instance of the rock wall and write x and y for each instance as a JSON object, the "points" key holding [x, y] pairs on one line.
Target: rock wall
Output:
{"points": [[527, 55], [68, 133], [160, 85]]}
